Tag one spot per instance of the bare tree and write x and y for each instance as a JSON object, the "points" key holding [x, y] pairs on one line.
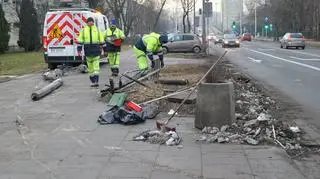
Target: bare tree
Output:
{"points": [[163, 3], [95, 3], [187, 7]]}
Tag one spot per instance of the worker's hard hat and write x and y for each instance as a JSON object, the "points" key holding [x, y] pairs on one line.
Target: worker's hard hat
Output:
{"points": [[163, 39], [113, 22], [90, 19]]}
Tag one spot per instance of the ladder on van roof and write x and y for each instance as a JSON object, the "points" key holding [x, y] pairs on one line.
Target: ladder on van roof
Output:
{"points": [[72, 9]]}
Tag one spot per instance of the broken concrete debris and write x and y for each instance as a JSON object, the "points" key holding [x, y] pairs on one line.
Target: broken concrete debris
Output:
{"points": [[252, 141], [52, 74], [169, 138]]}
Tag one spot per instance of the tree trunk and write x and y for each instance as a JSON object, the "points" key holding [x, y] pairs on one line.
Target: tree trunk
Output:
{"points": [[184, 23], [159, 14]]}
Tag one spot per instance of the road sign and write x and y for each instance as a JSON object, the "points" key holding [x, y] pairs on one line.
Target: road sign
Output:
{"points": [[56, 33], [197, 21], [208, 9]]}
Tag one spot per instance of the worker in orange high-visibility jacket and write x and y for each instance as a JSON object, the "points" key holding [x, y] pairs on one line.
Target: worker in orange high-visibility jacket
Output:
{"points": [[91, 40]]}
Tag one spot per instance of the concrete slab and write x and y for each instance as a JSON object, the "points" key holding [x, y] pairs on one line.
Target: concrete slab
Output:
{"points": [[180, 97]]}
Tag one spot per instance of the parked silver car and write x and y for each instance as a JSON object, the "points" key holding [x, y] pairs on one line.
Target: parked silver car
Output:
{"points": [[182, 43], [292, 40]]}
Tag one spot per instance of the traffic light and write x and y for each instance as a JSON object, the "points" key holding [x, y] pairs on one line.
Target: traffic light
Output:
{"points": [[266, 27], [200, 11], [234, 25], [270, 27]]}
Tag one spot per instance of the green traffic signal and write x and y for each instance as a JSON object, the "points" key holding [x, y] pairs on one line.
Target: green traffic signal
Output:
{"points": [[266, 26], [234, 26]]}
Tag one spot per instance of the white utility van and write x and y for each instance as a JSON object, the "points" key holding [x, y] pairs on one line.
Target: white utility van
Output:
{"points": [[60, 33]]}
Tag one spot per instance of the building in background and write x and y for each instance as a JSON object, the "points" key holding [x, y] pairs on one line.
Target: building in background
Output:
{"points": [[232, 10], [10, 10]]}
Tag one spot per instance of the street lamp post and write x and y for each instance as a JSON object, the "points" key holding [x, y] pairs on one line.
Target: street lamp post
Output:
{"points": [[255, 18], [203, 23], [194, 16]]}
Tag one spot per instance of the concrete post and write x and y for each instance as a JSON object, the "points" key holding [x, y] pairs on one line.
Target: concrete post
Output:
{"points": [[215, 105]]}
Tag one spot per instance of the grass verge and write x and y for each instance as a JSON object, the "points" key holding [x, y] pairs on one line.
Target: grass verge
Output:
{"points": [[21, 63]]}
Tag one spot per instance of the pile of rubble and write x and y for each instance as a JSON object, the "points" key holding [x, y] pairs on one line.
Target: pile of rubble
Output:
{"points": [[254, 123], [169, 138]]}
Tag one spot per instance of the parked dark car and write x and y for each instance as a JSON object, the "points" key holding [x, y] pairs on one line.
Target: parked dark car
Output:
{"points": [[230, 40]]}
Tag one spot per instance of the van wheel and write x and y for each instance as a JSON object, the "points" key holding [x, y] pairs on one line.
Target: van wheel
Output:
{"points": [[52, 66], [196, 49]]}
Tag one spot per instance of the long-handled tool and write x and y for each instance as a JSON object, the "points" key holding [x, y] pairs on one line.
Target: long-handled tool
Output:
{"points": [[161, 124]]}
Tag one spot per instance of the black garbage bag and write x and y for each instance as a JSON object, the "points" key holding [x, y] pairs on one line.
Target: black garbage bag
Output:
{"points": [[107, 117], [116, 115], [131, 117]]}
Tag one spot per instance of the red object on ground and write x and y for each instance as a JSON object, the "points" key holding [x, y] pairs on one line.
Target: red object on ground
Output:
{"points": [[133, 106], [117, 42]]}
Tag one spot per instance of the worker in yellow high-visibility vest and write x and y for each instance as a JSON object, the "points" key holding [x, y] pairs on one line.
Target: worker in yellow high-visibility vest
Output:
{"points": [[114, 38], [146, 47], [91, 39]]}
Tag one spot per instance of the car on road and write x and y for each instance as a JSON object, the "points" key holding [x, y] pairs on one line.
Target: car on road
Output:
{"points": [[218, 39], [293, 40], [246, 37], [230, 40], [184, 42]]}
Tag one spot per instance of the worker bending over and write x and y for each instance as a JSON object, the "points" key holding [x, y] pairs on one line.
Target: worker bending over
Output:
{"points": [[146, 47]]}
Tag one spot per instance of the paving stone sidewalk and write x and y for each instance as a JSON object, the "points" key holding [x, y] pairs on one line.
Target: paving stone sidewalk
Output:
{"points": [[58, 138]]}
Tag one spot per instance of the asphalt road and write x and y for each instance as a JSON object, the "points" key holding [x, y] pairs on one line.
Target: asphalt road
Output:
{"points": [[294, 72]]}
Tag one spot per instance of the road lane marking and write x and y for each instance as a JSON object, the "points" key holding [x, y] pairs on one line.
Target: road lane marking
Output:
{"points": [[304, 53], [255, 60], [266, 49], [304, 59], [289, 61]]}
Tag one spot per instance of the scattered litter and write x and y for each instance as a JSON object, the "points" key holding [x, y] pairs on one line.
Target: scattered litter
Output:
{"points": [[170, 138], [295, 129], [171, 112]]}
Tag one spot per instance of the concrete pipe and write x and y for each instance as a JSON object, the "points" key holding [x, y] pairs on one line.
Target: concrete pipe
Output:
{"points": [[47, 89], [173, 82]]}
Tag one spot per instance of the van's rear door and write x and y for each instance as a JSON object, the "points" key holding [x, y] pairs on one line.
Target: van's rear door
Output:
{"points": [[62, 30]]}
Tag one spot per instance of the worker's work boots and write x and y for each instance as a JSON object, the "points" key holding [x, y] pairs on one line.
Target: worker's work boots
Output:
{"points": [[115, 72], [95, 81]]}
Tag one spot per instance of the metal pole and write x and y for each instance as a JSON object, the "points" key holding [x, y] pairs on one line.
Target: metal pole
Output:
{"points": [[241, 9], [255, 18], [216, 14], [194, 16], [204, 35]]}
